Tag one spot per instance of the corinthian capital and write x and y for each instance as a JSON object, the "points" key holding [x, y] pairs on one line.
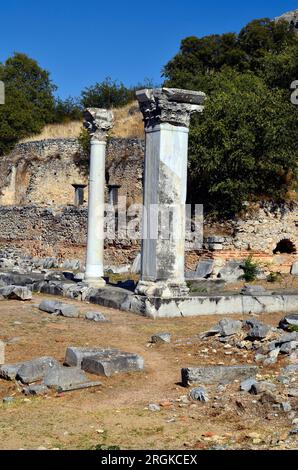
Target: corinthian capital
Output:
{"points": [[169, 105], [98, 122]]}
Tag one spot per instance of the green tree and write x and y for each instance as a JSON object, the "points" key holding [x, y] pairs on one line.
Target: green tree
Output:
{"points": [[244, 144], [66, 110], [29, 100], [107, 94]]}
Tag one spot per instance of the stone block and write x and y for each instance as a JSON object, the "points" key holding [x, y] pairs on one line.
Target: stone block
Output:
{"points": [[95, 316], [9, 371], [36, 389], [16, 292], [64, 377], [229, 327], [34, 370], [216, 374], [199, 394], [49, 306], [75, 355], [204, 268], [231, 272], [246, 384], [253, 290], [257, 330], [59, 308], [161, 338], [109, 364], [287, 348], [68, 310], [261, 387]]}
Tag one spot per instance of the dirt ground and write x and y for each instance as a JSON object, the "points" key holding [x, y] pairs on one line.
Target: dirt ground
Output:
{"points": [[116, 413]]}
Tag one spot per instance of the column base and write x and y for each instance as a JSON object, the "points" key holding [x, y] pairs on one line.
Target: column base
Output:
{"points": [[162, 289], [95, 282]]}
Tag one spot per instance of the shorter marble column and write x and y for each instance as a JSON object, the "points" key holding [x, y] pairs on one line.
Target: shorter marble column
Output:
{"points": [[166, 114], [97, 122]]}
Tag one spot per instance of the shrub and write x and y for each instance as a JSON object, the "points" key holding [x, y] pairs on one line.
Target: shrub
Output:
{"points": [[251, 269]]}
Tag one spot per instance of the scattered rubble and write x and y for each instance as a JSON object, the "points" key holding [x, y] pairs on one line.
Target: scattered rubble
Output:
{"points": [[267, 342], [161, 338]]}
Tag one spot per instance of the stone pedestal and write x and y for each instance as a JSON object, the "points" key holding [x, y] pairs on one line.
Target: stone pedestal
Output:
{"points": [[166, 116], [98, 122]]}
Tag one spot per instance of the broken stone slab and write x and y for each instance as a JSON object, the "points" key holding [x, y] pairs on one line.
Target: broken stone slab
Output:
{"points": [[161, 338], [9, 371], [95, 316], [253, 290], [109, 364], [71, 388], [229, 327], [59, 308], [287, 337], [287, 348], [36, 389], [256, 330], [64, 377], [290, 320], [232, 271], [261, 387], [204, 268], [49, 306], [36, 369], [69, 311], [75, 355], [216, 374], [16, 292], [199, 394], [246, 384]]}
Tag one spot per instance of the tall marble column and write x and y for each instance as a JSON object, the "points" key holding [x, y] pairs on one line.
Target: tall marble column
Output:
{"points": [[97, 122], [166, 113]]}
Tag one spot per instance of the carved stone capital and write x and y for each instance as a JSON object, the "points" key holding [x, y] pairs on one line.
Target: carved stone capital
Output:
{"points": [[98, 122], [169, 105]]}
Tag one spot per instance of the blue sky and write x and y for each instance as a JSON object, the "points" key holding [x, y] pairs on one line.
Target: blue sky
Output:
{"points": [[84, 42]]}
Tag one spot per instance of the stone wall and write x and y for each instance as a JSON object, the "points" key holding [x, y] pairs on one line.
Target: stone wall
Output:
{"points": [[43, 172], [58, 232], [61, 232]]}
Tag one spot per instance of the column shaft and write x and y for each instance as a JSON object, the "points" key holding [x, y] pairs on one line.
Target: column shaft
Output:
{"points": [[95, 234]]}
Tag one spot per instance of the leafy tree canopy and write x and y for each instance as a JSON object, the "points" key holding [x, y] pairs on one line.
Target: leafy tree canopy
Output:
{"points": [[29, 100], [243, 146]]}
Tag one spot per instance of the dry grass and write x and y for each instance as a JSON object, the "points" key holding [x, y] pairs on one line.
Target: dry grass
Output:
{"points": [[57, 131], [128, 123]]}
